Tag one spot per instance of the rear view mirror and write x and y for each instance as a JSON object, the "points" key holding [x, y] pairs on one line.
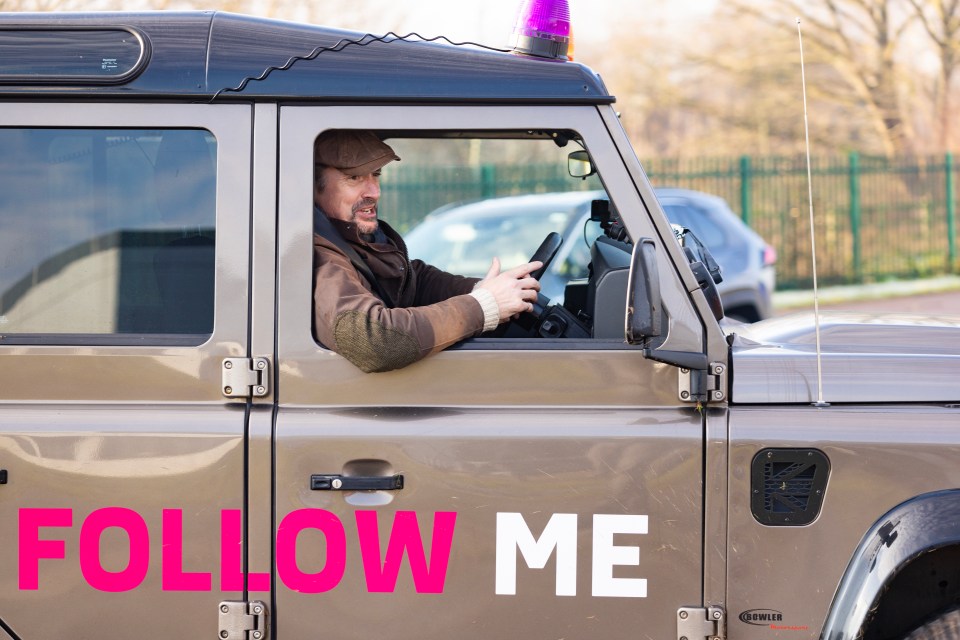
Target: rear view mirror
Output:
{"points": [[579, 164], [643, 294]]}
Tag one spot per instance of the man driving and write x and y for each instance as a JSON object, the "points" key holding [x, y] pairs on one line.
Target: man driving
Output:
{"points": [[372, 304]]}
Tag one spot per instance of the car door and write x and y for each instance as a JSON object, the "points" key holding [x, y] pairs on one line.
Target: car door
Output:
{"points": [[542, 489], [123, 290]]}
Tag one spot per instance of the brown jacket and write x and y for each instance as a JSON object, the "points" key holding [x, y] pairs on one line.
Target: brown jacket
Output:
{"points": [[431, 307]]}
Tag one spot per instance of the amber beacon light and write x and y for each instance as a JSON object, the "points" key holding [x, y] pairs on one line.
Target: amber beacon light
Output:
{"points": [[543, 29]]}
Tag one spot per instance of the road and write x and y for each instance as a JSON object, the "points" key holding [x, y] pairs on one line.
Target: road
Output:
{"points": [[944, 303], [937, 304]]}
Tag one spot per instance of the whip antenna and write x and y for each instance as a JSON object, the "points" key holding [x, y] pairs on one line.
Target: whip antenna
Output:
{"points": [[813, 241]]}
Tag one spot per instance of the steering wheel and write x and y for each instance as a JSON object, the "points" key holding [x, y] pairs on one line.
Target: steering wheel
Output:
{"points": [[526, 325], [546, 252]]}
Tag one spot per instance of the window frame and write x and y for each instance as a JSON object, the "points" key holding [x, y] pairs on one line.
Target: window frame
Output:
{"points": [[147, 367]]}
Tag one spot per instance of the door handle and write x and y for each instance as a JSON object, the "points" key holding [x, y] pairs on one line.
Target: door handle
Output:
{"points": [[331, 482]]}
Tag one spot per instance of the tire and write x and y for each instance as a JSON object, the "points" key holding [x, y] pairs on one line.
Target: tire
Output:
{"points": [[945, 626]]}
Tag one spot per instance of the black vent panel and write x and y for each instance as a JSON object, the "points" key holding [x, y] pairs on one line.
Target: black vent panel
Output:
{"points": [[787, 486]]}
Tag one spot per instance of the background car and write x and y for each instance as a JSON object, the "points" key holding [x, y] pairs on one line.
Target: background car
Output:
{"points": [[463, 238]]}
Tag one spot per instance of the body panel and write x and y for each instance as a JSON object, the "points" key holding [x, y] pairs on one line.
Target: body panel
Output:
{"points": [[883, 358], [138, 430], [227, 56], [538, 429], [880, 456]]}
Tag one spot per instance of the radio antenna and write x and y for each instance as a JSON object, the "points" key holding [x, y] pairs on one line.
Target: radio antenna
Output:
{"points": [[813, 242]]}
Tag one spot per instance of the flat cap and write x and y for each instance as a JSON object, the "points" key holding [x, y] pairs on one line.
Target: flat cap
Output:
{"points": [[356, 153]]}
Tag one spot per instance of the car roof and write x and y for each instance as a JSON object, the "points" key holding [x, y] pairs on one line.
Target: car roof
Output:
{"points": [[708, 199], [207, 54]]}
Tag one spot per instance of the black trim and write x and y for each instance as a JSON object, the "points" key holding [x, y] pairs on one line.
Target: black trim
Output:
{"points": [[105, 340], [10, 632], [541, 344], [906, 532], [787, 486]]}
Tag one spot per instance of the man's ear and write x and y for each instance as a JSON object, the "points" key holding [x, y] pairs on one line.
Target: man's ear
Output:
{"points": [[316, 192]]}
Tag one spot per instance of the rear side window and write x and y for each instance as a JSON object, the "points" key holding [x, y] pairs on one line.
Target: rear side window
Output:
{"points": [[106, 232]]}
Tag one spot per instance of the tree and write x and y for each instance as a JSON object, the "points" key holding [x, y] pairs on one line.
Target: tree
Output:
{"points": [[859, 40], [941, 22]]}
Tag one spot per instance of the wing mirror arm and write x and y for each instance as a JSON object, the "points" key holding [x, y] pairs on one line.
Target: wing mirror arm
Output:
{"points": [[644, 309]]}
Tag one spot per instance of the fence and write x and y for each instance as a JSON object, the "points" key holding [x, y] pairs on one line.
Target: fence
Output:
{"points": [[876, 218]]}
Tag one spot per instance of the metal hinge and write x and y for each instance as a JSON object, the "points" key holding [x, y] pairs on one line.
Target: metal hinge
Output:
{"points": [[245, 377], [243, 620], [704, 386], [697, 623]]}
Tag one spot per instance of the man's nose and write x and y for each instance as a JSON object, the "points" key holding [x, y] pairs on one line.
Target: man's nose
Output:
{"points": [[371, 187]]}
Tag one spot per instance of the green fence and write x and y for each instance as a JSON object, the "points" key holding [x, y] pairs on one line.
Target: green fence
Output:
{"points": [[876, 218]]}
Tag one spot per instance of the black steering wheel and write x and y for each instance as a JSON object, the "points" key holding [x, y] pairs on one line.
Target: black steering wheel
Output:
{"points": [[546, 252], [526, 325]]}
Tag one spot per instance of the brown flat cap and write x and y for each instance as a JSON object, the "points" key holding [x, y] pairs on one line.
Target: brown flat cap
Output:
{"points": [[356, 153]]}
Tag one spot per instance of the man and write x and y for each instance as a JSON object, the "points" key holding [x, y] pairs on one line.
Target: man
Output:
{"points": [[372, 304]]}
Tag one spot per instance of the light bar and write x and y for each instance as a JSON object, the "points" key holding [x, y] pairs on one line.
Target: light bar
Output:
{"points": [[542, 29]]}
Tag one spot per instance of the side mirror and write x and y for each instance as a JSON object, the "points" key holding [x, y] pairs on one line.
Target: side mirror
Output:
{"points": [[579, 164], [643, 293]]}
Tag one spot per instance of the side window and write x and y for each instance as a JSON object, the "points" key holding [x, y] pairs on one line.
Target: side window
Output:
{"points": [[459, 202], [107, 231]]}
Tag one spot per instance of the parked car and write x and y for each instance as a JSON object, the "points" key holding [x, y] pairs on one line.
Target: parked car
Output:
{"points": [[463, 238]]}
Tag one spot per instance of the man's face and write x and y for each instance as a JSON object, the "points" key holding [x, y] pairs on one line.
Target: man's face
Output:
{"points": [[350, 198]]}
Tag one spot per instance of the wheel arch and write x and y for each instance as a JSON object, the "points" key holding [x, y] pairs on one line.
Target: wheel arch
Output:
{"points": [[912, 534]]}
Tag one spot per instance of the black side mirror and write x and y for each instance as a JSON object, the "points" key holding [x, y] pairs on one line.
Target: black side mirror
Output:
{"points": [[643, 293], [644, 309]]}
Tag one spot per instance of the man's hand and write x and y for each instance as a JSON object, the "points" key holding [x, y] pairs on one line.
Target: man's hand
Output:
{"points": [[514, 289]]}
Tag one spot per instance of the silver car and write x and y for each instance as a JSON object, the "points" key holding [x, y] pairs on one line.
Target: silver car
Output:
{"points": [[463, 239]]}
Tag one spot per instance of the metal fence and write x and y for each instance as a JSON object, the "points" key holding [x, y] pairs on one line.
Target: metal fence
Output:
{"points": [[876, 218]]}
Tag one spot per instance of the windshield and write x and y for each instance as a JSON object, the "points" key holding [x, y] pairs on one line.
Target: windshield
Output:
{"points": [[465, 239]]}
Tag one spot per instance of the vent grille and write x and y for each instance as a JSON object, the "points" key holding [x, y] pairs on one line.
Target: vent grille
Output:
{"points": [[788, 486]]}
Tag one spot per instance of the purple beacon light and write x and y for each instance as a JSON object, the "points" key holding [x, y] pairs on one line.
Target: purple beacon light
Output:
{"points": [[542, 29]]}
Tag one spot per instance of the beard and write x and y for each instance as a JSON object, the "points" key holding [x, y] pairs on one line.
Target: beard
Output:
{"points": [[366, 225]]}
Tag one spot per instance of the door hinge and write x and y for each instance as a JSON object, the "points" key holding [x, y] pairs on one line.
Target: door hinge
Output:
{"points": [[243, 620], [245, 377], [697, 623], [704, 386]]}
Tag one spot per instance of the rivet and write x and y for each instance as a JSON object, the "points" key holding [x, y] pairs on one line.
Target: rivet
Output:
{"points": [[684, 394], [257, 609], [228, 365], [719, 369], [224, 634], [224, 608], [261, 390], [257, 635], [228, 390], [717, 615], [683, 615], [261, 364]]}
